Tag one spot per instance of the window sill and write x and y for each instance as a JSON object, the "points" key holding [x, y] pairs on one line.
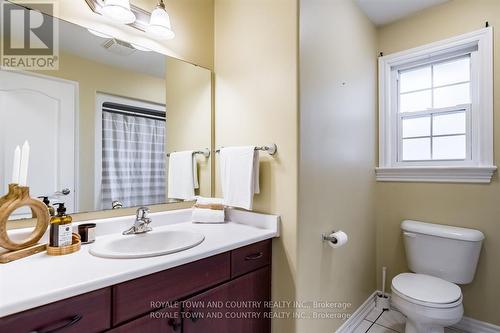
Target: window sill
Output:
{"points": [[481, 174]]}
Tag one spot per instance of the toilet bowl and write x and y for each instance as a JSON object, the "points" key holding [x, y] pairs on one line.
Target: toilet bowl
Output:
{"points": [[440, 257], [429, 303]]}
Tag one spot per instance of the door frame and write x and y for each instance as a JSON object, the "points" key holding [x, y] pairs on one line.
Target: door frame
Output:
{"points": [[76, 129], [100, 99]]}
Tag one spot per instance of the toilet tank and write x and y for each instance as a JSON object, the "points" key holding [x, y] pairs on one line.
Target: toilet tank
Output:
{"points": [[447, 252]]}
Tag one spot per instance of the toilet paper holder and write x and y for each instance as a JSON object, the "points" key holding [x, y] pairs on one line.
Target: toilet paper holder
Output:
{"points": [[328, 238]]}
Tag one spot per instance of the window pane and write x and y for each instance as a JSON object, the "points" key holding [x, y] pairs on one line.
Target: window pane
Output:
{"points": [[451, 123], [416, 149], [415, 79], [449, 148], [452, 72], [452, 95], [416, 127], [417, 101]]}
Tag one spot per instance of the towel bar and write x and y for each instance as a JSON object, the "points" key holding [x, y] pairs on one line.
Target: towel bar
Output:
{"points": [[205, 152], [271, 149]]}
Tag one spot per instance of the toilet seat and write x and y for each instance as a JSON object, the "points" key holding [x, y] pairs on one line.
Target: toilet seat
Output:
{"points": [[426, 290]]}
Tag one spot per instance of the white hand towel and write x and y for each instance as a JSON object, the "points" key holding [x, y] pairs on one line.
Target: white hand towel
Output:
{"points": [[182, 175], [239, 169], [208, 215]]}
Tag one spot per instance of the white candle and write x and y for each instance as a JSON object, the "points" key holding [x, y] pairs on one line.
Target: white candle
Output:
{"points": [[25, 158], [16, 165]]}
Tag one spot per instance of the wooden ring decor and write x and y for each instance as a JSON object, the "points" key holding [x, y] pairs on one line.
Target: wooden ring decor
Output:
{"points": [[17, 197]]}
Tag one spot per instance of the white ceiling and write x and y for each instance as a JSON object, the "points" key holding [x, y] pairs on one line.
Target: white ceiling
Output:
{"points": [[382, 12]]}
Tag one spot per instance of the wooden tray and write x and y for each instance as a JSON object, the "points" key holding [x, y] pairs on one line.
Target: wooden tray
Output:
{"points": [[62, 250]]}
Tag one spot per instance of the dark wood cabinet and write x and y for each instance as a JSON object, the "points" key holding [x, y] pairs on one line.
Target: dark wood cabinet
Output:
{"points": [[228, 292], [136, 296], [160, 321], [87, 313], [240, 305]]}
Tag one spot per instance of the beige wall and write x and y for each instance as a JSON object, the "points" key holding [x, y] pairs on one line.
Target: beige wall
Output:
{"points": [[189, 116], [94, 77], [337, 156], [256, 103], [472, 206], [192, 22]]}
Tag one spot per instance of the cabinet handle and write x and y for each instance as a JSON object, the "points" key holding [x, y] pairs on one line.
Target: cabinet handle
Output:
{"points": [[71, 322], [174, 324], [254, 256]]}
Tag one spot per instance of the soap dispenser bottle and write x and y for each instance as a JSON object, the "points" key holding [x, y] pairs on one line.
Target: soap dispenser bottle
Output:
{"points": [[46, 201], [60, 227]]}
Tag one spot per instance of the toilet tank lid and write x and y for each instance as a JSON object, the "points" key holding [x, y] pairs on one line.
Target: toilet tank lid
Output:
{"points": [[444, 231]]}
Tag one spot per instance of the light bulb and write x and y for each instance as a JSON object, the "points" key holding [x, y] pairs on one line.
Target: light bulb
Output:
{"points": [[159, 23], [118, 11]]}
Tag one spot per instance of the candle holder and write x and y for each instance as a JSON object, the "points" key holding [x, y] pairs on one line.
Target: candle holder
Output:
{"points": [[17, 197]]}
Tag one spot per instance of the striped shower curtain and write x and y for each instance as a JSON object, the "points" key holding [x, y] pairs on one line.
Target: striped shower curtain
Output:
{"points": [[133, 160]]}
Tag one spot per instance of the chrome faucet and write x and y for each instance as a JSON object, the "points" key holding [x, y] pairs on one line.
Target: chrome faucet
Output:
{"points": [[141, 224]]}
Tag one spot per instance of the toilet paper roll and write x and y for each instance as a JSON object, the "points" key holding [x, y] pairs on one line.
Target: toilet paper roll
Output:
{"points": [[339, 239]]}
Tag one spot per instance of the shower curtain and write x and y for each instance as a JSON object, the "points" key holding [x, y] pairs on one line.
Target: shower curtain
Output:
{"points": [[133, 160]]}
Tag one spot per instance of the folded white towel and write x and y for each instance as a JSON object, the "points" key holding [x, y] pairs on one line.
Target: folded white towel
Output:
{"points": [[182, 175], [239, 170], [207, 215]]}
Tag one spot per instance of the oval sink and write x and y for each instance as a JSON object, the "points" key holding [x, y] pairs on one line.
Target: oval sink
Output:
{"points": [[145, 245]]}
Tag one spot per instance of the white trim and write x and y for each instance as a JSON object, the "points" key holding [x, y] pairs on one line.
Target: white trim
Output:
{"points": [[358, 316], [100, 99], [470, 325], [481, 168], [436, 174]]}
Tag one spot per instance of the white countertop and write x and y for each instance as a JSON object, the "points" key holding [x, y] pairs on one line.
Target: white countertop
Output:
{"points": [[42, 279]]}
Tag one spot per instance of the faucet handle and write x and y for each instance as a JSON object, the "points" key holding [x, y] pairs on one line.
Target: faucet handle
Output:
{"points": [[142, 213]]}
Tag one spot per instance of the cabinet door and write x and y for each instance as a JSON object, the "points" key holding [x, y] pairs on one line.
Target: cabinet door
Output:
{"points": [[164, 321], [133, 298], [87, 313], [236, 306]]}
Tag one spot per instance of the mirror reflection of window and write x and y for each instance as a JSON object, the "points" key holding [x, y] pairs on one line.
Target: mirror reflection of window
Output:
{"points": [[133, 153]]}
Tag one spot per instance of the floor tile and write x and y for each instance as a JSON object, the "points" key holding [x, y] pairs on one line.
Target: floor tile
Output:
{"points": [[363, 327], [392, 319], [379, 329], [373, 315]]}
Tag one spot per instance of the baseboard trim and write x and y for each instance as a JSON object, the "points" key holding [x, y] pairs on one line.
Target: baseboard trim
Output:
{"points": [[358, 316], [466, 325], [470, 325]]}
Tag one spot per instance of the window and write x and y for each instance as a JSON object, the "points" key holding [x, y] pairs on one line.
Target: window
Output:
{"points": [[436, 111]]}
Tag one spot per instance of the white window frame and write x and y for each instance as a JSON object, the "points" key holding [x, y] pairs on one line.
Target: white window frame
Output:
{"points": [[478, 167]]}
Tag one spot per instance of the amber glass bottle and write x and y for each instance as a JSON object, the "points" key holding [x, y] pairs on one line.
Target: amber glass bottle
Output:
{"points": [[60, 227]]}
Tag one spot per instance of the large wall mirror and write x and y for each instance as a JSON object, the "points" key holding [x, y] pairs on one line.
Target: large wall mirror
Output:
{"points": [[101, 126]]}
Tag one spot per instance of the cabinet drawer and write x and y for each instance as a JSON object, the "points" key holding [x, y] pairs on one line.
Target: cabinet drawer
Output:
{"points": [[86, 313], [136, 297], [251, 257]]}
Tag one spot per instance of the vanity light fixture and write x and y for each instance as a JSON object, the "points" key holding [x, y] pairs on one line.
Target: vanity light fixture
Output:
{"points": [[159, 23], [118, 10]]}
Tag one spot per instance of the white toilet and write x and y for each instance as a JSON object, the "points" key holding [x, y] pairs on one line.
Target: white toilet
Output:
{"points": [[440, 257]]}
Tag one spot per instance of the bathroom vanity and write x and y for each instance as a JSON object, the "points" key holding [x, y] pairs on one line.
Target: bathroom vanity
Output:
{"points": [[221, 285]]}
